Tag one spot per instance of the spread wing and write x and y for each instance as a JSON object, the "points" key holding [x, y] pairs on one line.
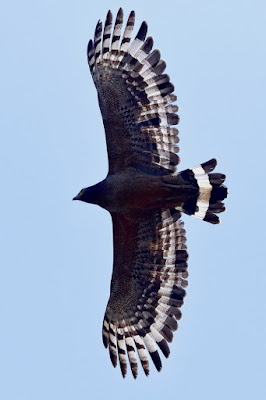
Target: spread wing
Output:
{"points": [[147, 287], [135, 98]]}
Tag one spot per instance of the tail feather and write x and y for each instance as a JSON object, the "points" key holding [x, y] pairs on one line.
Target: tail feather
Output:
{"points": [[208, 202]]}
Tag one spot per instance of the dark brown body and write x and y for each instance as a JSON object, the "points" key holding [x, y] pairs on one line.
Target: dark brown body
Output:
{"points": [[131, 191]]}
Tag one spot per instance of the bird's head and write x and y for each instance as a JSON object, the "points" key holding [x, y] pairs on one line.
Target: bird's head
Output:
{"points": [[89, 195], [80, 195]]}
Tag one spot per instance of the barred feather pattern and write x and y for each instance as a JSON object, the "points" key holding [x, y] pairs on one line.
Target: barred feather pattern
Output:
{"points": [[134, 95], [146, 295], [208, 203]]}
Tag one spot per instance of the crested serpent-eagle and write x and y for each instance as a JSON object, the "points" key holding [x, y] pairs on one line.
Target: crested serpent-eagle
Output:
{"points": [[144, 194]]}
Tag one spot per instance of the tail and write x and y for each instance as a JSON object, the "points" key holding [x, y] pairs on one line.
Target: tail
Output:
{"points": [[208, 202]]}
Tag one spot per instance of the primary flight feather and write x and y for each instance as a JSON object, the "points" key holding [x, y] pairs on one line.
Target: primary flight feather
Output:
{"points": [[144, 194]]}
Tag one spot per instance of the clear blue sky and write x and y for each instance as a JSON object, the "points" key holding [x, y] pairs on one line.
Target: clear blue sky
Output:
{"points": [[56, 257]]}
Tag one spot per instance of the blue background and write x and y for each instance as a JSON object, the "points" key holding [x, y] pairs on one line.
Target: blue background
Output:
{"points": [[56, 257]]}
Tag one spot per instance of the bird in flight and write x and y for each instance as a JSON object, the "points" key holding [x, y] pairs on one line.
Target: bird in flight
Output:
{"points": [[144, 194]]}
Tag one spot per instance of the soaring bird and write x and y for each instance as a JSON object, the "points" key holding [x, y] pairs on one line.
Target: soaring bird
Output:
{"points": [[144, 194]]}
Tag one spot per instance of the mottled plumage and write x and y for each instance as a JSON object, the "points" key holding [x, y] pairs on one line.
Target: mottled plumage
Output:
{"points": [[144, 194]]}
